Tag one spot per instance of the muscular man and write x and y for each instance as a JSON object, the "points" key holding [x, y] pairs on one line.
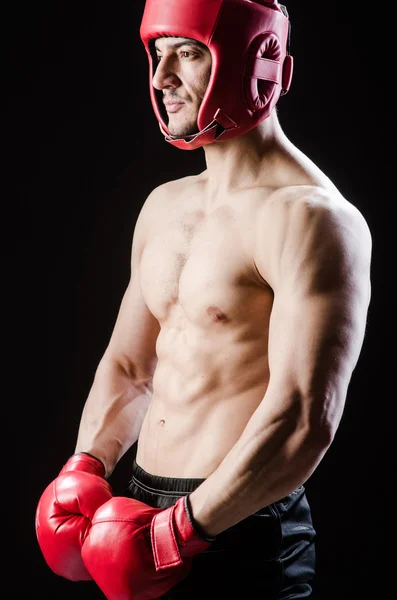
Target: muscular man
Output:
{"points": [[235, 342]]}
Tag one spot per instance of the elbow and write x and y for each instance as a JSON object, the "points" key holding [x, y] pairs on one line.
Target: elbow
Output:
{"points": [[125, 368], [306, 448], [319, 436], [320, 427], [316, 421]]}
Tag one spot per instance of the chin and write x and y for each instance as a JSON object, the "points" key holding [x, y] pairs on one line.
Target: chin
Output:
{"points": [[182, 130], [175, 132]]}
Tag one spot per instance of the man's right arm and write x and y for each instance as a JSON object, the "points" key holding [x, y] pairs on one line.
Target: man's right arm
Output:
{"points": [[121, 391]]}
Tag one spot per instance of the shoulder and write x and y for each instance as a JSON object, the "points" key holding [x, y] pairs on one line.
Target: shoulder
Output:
{"points": [[168, 191], [157, 206], [158, 200], [316, 210], [314, 229]]}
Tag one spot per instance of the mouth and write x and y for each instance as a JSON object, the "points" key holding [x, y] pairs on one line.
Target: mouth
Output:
{"points": [[172, 107]]}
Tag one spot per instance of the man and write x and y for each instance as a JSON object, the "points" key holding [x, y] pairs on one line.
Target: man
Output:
{"points": [[235, 342]]}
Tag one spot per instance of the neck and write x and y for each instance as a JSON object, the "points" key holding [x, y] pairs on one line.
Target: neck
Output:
{"points": [[239, 162]]}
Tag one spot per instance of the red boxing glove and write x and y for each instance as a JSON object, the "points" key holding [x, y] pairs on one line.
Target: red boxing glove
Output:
{"points": [[136, 552], [64, 513]]}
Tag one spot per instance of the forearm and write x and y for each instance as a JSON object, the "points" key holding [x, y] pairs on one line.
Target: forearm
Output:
{"points": [[113, 414], [269, 461]]}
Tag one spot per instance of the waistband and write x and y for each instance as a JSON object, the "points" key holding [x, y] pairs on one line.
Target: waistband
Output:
{"points": [[164, 485], [179, 486]]}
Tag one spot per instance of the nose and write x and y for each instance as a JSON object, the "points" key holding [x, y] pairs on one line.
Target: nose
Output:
{"points": [[165, 75]]}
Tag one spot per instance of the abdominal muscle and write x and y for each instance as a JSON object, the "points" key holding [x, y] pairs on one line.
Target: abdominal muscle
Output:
{"points": [[198, 280], [205, 388]]}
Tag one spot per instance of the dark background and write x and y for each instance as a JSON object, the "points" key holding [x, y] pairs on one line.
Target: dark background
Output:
{"points": [[82, 152]]}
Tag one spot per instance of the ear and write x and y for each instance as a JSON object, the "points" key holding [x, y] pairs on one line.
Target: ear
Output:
{"points": [[263, 71]]}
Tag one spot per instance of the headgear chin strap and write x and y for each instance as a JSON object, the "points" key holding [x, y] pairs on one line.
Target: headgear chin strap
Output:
{"points": [[251, 64]]}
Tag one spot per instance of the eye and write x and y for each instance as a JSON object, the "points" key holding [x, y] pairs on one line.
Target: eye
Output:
{"points": [[183, 54], [188, 54]]}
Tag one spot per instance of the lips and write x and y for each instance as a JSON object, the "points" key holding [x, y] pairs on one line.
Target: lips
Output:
{"points": [[173, 105]]}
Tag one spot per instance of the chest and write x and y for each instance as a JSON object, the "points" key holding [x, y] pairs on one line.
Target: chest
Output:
{"points": [[200, 263]]}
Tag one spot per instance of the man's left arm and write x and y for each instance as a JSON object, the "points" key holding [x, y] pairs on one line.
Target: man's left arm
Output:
{"points": [[321, 282]]}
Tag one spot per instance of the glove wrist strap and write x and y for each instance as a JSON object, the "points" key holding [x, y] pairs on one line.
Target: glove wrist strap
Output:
{"points": [[194, 523], [92, 456]]}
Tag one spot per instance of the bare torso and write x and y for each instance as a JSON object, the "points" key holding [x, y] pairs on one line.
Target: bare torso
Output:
{"points": [[198, 278]]}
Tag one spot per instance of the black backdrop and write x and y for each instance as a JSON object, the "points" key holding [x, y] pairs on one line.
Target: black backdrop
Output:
{"points": [[82, 151]]}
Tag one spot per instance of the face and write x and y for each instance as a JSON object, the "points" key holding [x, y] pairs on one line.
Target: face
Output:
{"points": [[182, 74]]}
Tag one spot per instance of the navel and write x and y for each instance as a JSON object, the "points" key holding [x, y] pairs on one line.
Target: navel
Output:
{"points": [[216, 314]]}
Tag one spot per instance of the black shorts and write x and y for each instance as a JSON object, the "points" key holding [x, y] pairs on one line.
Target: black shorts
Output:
{"points": [[269, 555]]}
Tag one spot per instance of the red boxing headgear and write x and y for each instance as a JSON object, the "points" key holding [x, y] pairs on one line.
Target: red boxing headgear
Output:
{"points": [[251, 65]]}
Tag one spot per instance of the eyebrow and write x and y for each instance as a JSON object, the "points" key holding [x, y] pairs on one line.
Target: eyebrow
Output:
{"points": [[186, 42]]}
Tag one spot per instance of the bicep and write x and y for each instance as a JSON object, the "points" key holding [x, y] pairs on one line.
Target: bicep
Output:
{"points": [[314, 344], [319, 314], [133, 341]]}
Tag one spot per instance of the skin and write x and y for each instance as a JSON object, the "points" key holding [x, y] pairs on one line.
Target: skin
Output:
{"points": [[243, 320], [182, 59]]}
